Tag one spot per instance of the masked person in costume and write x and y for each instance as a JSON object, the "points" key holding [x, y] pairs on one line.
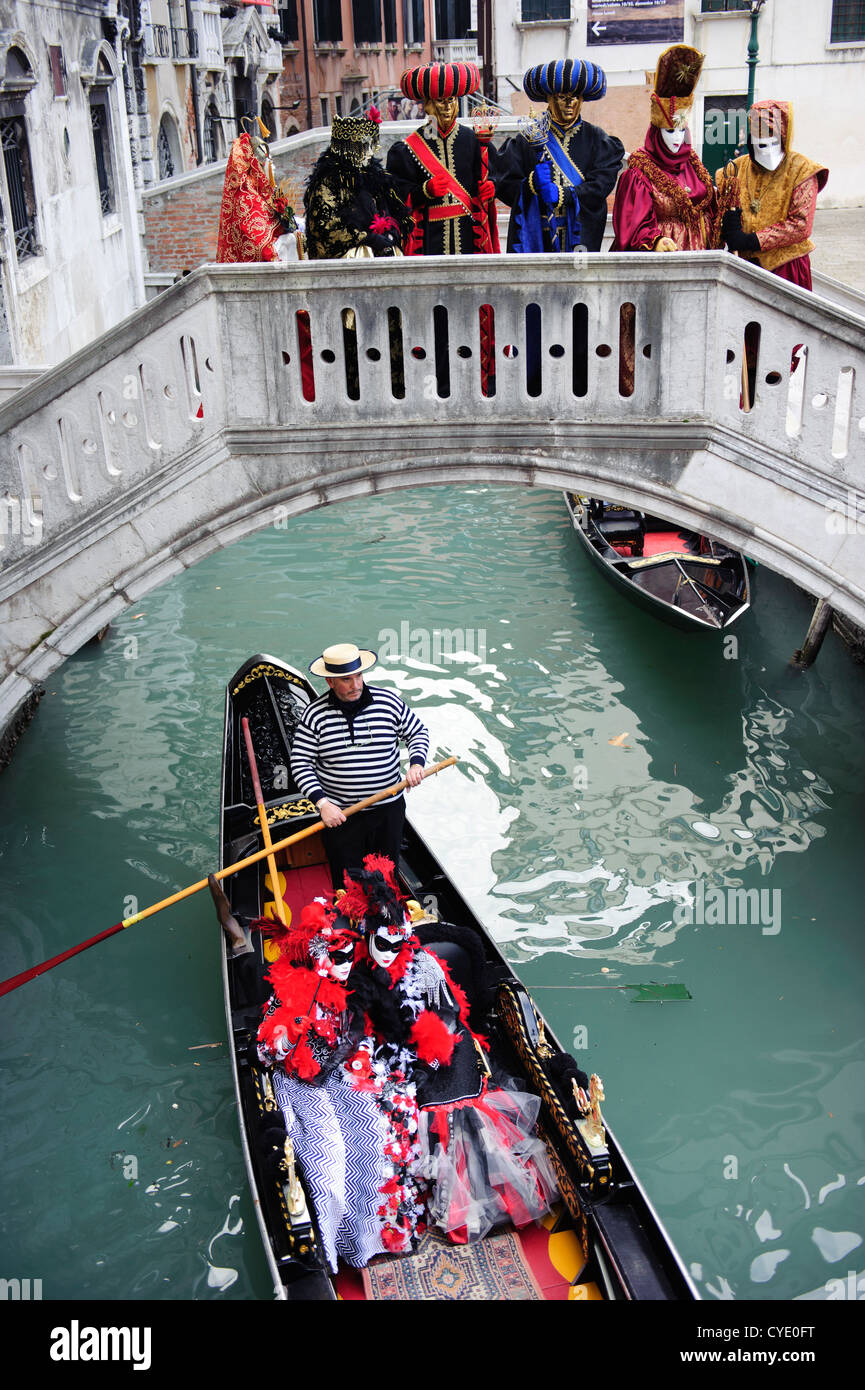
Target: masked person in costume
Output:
{"points": [[557, 176], [665, 199], [441, 170], [479, 1152], [777, 190], [352, 206], [356, 1143], [257, 221]]}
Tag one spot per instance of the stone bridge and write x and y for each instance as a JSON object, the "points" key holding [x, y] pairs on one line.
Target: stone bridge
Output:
{"points": [[246, 394]]}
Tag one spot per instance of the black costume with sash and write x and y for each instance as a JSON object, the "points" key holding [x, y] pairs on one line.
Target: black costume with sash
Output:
{"points": [[582, 217], [442, 226]]}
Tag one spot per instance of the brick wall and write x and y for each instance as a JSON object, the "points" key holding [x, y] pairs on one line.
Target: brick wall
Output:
{"points": [[181, 216]]}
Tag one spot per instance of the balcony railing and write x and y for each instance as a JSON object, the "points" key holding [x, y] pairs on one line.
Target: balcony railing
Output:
{"points": [[455, 51], [209, 26], [184, 44], [157, 43]]}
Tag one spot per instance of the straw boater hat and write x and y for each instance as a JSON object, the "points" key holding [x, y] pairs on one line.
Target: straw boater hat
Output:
{"points": [[676, 76], [345, 659]]}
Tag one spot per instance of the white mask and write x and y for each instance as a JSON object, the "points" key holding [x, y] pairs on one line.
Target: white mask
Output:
{"points": [[394, 938], [768, 151], [340, 973], [675, 139]]}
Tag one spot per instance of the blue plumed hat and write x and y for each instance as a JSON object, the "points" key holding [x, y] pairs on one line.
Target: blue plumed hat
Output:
{"points": [[569, 76]]}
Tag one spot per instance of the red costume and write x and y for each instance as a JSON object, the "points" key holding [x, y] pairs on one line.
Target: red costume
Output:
{"points": [[665, 192], [662, 194], [249, 225]]}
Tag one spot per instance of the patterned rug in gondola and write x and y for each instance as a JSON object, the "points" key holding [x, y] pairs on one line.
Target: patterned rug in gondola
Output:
{"points": [[491, 1269]]}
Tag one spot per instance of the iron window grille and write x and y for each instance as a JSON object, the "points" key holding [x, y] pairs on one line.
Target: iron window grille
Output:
{"points": [[724, 6], [19, 183], [101, 128], [211, 135], [157, 41], [184, 44], [163, 153]]}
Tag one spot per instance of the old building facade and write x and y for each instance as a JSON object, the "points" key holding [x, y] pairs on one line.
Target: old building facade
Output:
{"points": [[70, 249], [809, 52]]}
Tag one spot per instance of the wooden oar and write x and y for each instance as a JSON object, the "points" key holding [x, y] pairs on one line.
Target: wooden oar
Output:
{"points": [[262, 819], [7, 986]]}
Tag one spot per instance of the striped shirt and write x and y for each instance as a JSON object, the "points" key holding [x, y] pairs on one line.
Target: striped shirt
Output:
{"points": [[347, 759]]}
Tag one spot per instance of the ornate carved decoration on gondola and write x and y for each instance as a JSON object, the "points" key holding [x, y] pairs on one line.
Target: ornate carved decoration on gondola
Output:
{"points": [[592, 1127], [265, 669], [264, 1090], [543, 1048], [295, 1199], [569, 1191], [288, 810], [592, 1162]]}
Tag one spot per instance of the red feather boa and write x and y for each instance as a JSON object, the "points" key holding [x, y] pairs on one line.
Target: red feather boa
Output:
{"points": [[303, 1004], [432, 1039]]}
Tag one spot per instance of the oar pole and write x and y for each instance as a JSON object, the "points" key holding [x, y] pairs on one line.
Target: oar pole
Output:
{"points": [[7, 986], [280, 845], [262, 820]]}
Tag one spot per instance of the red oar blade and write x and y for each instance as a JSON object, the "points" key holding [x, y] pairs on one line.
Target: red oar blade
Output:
{"points": [[7, 986]]}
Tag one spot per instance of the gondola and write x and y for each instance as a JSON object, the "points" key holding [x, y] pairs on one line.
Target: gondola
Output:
{"points": [[687, 579], [621, 1248]]}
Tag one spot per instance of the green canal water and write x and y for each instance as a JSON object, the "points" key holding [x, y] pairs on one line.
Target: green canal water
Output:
{"points": [[613, 772]]}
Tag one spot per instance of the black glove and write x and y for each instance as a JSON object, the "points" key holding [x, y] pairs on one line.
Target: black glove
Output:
{"points": [[381, 245], [734, 236]]}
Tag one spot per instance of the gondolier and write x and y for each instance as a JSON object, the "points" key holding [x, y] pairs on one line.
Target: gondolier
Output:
{"points": [[346, 748]]}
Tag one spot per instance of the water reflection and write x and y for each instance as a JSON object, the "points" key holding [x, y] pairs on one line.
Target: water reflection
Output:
{"points": [[606, 765]]}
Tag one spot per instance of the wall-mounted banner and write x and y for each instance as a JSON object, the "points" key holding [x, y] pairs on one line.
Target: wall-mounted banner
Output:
{"points": [[636, 21]]}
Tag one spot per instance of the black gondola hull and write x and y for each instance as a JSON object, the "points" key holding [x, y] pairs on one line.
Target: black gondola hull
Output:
{"points": [[626, 1247]]}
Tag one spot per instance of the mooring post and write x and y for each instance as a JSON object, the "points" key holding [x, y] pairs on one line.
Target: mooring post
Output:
{"points": [[820, 624]]}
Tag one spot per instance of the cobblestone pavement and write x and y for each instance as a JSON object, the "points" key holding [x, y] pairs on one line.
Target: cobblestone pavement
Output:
{"points": [[839, 245]]}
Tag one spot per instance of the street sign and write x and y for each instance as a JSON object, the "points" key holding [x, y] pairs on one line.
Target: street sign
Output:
{"points": [[635, 21]]}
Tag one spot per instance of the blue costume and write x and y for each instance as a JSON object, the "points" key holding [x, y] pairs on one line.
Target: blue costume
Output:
{"points": [[556, 177]]}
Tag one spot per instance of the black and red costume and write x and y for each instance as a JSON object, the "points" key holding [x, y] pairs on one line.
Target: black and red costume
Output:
{"points": [[479, 1152], [442, 174]]}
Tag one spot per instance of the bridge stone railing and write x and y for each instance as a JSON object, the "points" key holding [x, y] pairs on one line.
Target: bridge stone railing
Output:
{"points": [[244, 388]]}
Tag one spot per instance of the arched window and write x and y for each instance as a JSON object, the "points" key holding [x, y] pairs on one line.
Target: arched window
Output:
{"points": [[168, 149]]}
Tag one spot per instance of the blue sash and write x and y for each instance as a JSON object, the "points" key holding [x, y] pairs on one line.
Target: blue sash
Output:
{"points": [[561, 161], [536, 224]]}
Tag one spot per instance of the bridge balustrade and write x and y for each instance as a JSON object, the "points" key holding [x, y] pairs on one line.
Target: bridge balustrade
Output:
{"points": [[693, 385]]}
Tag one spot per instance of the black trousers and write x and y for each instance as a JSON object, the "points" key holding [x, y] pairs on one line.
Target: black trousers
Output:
{"points": [[376, 831]]}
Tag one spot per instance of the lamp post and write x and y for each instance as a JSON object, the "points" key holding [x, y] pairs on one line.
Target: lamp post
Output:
{"points": [[753, 48]]}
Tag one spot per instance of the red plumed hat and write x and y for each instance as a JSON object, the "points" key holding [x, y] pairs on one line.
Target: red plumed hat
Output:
{"points": [[373, 892]]}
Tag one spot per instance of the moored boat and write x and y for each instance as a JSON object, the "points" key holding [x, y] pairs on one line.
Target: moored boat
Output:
{"points": [[687, 579], [618, 1246]]}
